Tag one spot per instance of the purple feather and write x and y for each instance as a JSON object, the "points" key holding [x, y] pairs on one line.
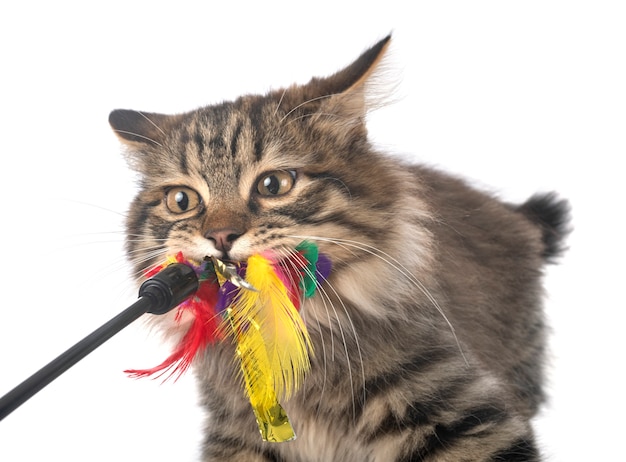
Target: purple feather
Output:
{"points": [[323, 267]]}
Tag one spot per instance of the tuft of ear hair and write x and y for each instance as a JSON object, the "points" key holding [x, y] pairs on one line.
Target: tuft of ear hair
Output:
{"points": [[348, 93], [356, 74]]}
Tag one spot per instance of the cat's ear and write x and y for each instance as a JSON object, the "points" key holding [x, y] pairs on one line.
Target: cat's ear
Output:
{"points": [[349, 93], [138, 129]]}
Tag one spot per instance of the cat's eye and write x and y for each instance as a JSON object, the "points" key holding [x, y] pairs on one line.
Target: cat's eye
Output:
{"points": [[276, 183], [181, 199]]}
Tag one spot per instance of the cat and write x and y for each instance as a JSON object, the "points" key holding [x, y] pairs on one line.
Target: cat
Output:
{"points": [[429, 335]]}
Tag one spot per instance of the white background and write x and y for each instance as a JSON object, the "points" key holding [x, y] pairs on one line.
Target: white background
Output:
{"points": [[518, 96]]}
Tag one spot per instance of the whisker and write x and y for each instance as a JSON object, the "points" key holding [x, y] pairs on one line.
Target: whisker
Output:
{"points": [[316, 114], [151, 122], [95, 206], [343, 338], [303, 104], [140, 259], [404, 271], [139, 136], [280, 101], [342, 333], [286, 253], [67, 244], [141, 240]]}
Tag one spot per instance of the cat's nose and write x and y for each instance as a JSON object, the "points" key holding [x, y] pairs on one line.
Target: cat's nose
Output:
{"points": [[223, 238]]}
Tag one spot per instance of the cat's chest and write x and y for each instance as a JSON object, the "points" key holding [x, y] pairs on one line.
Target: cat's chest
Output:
{"points": [[320, 439]]}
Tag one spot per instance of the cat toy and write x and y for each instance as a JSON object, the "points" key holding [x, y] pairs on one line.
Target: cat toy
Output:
{"points": [[255, 305], [157, 295]]}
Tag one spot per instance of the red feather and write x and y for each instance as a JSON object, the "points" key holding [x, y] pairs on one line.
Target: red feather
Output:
{"points": [[202, 332], [205, 328]]}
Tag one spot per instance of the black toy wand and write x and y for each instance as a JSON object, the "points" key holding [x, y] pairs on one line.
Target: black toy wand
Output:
{"points": [[157, 295]]}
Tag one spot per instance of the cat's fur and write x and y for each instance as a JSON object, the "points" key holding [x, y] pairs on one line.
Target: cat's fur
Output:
{"points": [[428, 336]]}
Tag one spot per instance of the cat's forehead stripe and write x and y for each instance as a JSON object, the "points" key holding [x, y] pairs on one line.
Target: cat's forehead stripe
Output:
{"points": [[235, 137], [225, 131]]}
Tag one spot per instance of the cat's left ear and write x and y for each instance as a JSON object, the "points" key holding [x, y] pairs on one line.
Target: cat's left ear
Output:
{"points": [[349, 93], [141, 129]]}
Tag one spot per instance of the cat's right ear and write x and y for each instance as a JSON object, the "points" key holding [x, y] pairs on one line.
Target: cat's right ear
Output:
{"points": [[138, 129]]}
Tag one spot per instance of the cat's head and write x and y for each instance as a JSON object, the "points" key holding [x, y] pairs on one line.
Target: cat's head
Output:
{"points": [[262, 172]]}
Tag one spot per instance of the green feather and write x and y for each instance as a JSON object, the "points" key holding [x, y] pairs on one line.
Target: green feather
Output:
{"points": [[309, 281]]}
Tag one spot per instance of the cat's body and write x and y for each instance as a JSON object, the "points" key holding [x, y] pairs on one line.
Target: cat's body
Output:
{"points": [[429, 333]]}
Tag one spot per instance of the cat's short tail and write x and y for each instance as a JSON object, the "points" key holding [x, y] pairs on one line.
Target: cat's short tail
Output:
{"points": [[552, 215]]}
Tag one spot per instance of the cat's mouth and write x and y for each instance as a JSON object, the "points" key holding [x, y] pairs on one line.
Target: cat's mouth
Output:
{"points": [[229, 271]]}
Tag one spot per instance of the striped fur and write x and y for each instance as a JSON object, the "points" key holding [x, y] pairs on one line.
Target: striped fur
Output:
{"points": [[429, 335]]}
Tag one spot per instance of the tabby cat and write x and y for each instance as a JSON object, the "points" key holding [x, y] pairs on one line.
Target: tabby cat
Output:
{"points": [[429, 334]]}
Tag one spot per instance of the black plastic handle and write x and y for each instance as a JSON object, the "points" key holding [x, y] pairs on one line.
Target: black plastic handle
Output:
{"points": [[158, 295]]}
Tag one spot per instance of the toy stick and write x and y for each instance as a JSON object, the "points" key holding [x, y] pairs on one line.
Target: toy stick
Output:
{"points": [[157, 295]]}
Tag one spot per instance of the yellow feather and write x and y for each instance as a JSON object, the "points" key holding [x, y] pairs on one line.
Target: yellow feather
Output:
{"points": [[272, 345]]}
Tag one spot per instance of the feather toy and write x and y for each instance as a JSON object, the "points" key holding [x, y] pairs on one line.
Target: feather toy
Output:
{"points": [[203, 329], [255, 304]]}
